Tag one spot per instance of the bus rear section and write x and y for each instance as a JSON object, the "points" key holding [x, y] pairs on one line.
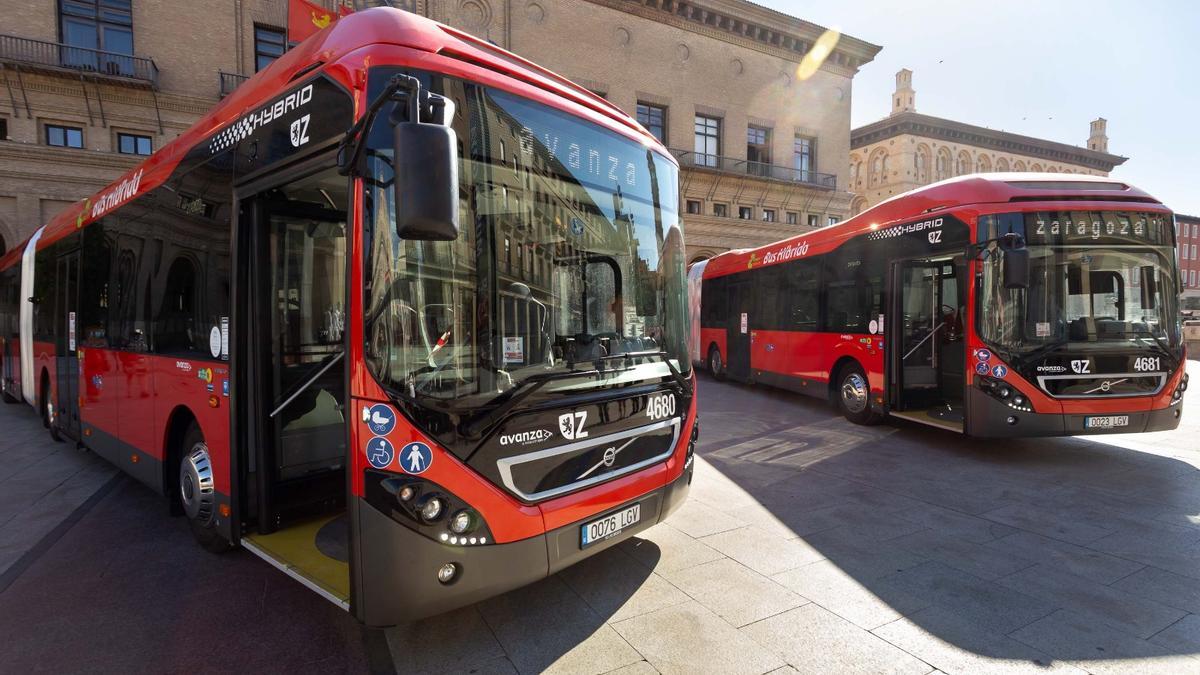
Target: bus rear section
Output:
{"points": [[412, 361], [997, 305]]}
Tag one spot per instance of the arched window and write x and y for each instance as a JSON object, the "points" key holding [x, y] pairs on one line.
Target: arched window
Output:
{"points": [[1035, 167], [944, 162], [1002, 164], [983, 164], [921, 161], [1019, 165], [878, 168], [857, 206], [964, 164], [3, 244]]}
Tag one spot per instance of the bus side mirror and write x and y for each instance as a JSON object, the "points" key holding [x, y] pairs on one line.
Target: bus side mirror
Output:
{"points": [[425, 159], [1149, 287], [1016, 268]]}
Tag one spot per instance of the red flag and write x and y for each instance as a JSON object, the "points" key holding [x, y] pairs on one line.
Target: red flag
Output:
{"points": [[305, 19]]}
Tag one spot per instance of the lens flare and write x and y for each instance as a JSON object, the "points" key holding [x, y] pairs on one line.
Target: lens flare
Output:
{"points": [[821, 49]]}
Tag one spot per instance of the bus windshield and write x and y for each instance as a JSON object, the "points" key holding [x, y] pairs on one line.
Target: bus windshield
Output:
{"points": [[1097, 280], [570, 259]]}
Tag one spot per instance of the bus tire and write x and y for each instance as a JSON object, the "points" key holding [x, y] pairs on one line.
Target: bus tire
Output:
{"points": [[9, 398], [853, 395], [716, 365], [195, 492]]}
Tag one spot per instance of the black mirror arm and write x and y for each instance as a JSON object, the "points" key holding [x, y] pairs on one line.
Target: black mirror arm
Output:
{"points": [[355, 138], [1012, 239]]}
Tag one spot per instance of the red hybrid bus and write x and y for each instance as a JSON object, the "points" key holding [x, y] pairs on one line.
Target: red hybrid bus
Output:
{"points": [[994, 305], [404, 315]]}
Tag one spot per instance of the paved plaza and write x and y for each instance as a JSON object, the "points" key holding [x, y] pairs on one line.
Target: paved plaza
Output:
{"points": [[807, 545]]}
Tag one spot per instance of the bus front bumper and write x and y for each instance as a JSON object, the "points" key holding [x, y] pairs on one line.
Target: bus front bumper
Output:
{"points": [[398, 579], [989, 418]]}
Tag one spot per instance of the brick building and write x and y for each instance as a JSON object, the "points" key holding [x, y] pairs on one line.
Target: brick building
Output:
{"points": [[760, 124], [1187, 239], [907, 149]]}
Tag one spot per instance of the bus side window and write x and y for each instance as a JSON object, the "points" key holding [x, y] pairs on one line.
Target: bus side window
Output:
{"points": [[94, 286], [802, 292]]}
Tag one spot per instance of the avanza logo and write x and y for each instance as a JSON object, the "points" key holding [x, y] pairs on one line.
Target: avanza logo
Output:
{"points": [[527, 437]]}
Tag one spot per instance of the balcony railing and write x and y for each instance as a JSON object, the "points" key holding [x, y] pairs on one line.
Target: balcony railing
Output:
{"points": [[756, 169], [230, 81], [56, 55]]}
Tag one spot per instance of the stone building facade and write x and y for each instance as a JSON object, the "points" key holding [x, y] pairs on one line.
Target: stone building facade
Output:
{"points": [[754, 103], [906, 150]]}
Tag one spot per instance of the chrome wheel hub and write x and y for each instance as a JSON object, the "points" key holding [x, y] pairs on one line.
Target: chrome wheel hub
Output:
{"points": [[196, 485], [716, 363], [854, 393]]}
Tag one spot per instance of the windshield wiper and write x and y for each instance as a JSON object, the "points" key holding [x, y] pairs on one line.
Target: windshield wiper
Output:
{"points": [[514, 396], [666, 358], [1045, 349]]}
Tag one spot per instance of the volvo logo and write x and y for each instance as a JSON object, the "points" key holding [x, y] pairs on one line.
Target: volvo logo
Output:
{"points": [[610, 456]]}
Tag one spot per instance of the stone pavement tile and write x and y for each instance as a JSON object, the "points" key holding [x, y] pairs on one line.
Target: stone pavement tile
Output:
{"points": [[766, 519], [1070, 558], [1165, 587], [1086, 598], [689, 638], [547, 593], [697, 519], [1054, 523], [454, 642], [985, 603], [1101, 649], [664, 548], [1152, 549], [1181, 637], [942, 639], [863, 557], [983, 562], [863, 518], [735, 592], [758, 462], [618, 587], [961, 525], [762, 551], [563, 637], [639, 668], [715, 489], [814, 640], [868, 605]]}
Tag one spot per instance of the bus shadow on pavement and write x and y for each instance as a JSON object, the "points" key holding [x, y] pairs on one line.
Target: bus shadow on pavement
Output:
{"points": [[949, 548], [541, 625]]}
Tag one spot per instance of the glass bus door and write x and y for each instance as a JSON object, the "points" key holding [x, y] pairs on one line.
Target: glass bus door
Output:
{"points": [[927, 363], [298, 439], [67, 329], [737, 336]]}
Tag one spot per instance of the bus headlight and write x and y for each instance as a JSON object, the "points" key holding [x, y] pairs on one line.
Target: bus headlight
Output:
{"points": [[461, 522], [423, 506], [1005, 393], [432, 508]]}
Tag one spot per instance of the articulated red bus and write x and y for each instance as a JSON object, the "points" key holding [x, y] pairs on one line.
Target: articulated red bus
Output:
{"points": [[995, 305], [404, 315]]}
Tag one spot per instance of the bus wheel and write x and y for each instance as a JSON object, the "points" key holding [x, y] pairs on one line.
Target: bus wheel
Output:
{"points": [[8, 398], [48, 414], [196, 495], [715, 365], [854, 395]]}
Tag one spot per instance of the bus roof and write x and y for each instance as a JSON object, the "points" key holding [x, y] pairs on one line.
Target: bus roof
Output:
{"points": [[375, 26], [987, 188]]}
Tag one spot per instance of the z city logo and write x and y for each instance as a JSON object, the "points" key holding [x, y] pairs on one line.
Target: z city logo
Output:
{"points": [[380, 453], [571, 425], [380, 418]]}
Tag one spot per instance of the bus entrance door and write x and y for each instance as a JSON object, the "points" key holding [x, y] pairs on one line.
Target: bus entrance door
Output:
{"points": [[927, 365], [67, 330], [297, 411], [738, 335]]}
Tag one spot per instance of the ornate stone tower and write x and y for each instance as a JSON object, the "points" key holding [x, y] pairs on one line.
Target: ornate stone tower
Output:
{"points": [[1099, 138], [905, 99]]}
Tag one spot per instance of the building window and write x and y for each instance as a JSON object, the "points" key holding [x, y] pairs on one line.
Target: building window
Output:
{"points": [[721, 210], [745, 213], [134, 144], [833, 220], [758, 151], [64, 137], [693, 207], [269, 44], [1195, 229], [654, 118], [804, 157], [3, 129], [814, 220], [103, 25], [1193, 251], [793, 218], [708, 140], [768, 215]]}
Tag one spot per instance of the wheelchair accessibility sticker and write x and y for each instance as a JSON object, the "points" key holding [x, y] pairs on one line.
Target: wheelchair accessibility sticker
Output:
{"points": [[380, 453]]}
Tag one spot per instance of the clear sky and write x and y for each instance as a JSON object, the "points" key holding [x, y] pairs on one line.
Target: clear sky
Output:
{"points": [[1042, 68]]}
